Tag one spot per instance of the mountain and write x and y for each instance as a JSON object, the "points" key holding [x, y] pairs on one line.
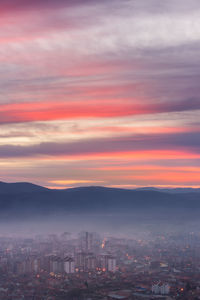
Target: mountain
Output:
{"points": [[19, 187], [25, 200], [170, 190]]}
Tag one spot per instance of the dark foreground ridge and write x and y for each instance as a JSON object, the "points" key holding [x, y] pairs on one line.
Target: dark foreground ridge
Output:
{"points": [[26, 200]]}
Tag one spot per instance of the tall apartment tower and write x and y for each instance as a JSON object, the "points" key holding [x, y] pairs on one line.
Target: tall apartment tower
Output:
{"points": [[69, 267], [88, 241]]}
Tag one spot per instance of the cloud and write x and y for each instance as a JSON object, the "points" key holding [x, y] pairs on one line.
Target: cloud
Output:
{"points": [[99, 68], [186, 142], [18, 5], [45, 111]]}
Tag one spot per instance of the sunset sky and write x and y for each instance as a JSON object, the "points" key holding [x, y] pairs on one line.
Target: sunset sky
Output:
{"points": [[100, 92]]}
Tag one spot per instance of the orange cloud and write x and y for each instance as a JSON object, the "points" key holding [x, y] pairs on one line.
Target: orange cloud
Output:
{"points": [[45, 111], [140, 129], [57, 110], [129, 155], [167, 177], [150, 168]]}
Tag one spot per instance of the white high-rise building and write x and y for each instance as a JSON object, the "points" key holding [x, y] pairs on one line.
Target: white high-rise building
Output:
{"points": [[155, 289], [165, 289], [69, 265], [56, 264], [111, 264], [36, 265], [160, 289], [107, 262]]}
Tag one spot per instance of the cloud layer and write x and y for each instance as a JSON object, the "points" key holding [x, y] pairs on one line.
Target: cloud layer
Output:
{"points": [[111, 83]]}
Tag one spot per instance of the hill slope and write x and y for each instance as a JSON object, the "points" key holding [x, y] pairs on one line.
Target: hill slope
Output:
{"points": [[23, 200], [19, 187]]}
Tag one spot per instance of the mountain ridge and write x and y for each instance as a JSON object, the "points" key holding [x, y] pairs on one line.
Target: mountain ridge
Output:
{"points": [[30, 187], [19, 187], [19, 200]]}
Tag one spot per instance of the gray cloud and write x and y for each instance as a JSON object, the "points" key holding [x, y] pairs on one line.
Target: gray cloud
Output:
{"points": [[181, 141]]}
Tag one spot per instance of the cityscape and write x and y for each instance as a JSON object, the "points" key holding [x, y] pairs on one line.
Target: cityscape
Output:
{"points": [[99, 149], [89, 265]]}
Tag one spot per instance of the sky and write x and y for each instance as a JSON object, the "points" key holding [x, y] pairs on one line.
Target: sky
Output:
{"points": [[100, 92]]}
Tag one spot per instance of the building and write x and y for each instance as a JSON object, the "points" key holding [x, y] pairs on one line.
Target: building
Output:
{"points": [[111, 264], [88, 241], [69, 266], [86, 261], [160, 289], [56, 264], [107, 263]]}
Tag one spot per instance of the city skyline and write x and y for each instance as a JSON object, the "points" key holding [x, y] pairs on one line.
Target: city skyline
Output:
{"points": [[102, 93]]}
